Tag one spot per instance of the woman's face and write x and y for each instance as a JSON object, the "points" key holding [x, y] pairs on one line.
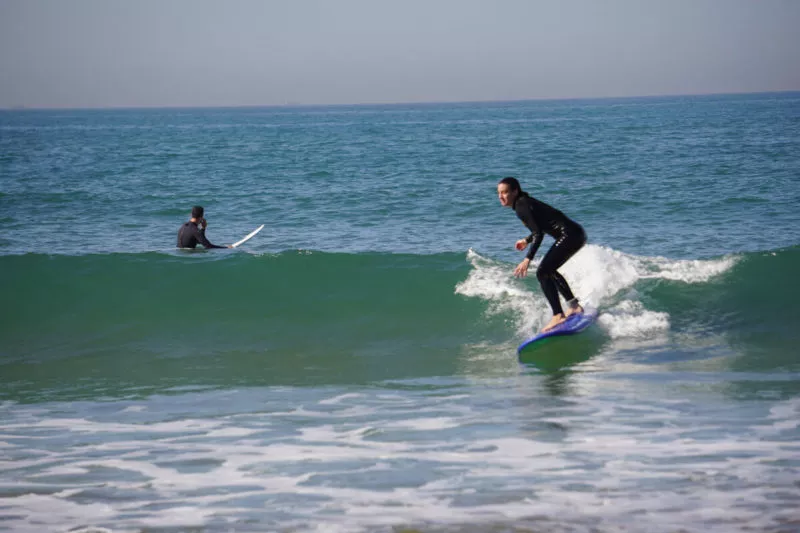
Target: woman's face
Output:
{"points": [[505, 195]]}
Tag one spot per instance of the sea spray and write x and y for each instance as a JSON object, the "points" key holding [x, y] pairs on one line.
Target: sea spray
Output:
{"points": [[601, 277]]}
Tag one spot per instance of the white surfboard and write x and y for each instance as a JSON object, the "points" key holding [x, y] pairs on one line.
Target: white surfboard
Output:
{"points": [[249, 236]]}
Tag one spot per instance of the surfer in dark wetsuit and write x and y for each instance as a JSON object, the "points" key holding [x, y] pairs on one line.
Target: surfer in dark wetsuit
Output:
{"points": [[194, 231], [541, 218]]}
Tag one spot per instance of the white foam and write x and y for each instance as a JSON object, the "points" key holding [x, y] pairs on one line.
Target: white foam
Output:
{"points": [[426, 424], [633, 454], [688, 271], [629, 318], [339, 398], [598, 276], [83, 425], [49, 512], [784, 416], [178, 517], [493, 281], [230, 432]]}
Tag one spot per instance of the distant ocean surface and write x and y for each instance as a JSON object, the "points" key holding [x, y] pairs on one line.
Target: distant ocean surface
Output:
{"points": [[353, 367]]}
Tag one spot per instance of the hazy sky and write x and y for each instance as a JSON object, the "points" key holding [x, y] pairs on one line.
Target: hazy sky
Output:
{"points": [[98, 53]]}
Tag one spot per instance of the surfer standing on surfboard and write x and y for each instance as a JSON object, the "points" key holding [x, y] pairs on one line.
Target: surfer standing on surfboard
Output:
{"points": [[541, 218], [194, 231]]}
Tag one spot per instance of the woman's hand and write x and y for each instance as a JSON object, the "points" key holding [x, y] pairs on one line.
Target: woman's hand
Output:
{"points": [[520, 244], [522, 269]]}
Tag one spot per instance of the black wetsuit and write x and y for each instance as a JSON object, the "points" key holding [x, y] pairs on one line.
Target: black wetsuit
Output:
{"points": [[541, 218], [189, 235]]}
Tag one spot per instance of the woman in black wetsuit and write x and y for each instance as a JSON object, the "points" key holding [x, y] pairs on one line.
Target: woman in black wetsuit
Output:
{"points": [[541, 218]]}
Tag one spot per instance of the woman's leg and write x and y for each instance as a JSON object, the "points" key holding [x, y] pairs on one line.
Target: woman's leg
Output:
{"points": [[563, 286], [552, 282], [549, 287]]}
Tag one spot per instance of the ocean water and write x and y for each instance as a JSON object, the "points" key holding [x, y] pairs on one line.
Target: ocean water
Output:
{"points": [[353, 367]]}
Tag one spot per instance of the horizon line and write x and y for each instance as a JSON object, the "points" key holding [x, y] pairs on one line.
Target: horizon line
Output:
{"points": [[290, 104]]}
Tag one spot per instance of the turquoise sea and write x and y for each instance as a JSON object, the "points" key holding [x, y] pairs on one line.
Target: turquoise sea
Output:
{"points": [[353, 368]]}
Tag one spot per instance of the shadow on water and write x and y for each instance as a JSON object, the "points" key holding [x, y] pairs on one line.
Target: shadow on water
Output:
{"points": [[558, 357], [561, 352]]}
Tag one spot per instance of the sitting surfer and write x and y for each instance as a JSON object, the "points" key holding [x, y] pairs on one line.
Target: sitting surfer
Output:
{"points": [[541, 218], [194, 231]]}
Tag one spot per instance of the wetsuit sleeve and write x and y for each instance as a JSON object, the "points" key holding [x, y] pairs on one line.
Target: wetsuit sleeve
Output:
{"points": [[535, 240], [201, 238], [525, 214]]}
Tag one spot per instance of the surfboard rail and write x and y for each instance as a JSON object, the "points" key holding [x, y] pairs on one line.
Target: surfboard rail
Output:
{"points": [[573, 324], [248, 236]]}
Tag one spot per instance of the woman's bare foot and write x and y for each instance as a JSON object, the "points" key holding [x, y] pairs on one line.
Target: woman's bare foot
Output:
{"points": [[572, 310], [556, 320]]}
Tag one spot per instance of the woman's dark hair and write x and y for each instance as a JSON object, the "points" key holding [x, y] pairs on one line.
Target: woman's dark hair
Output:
{"points": [[197, 212], [512, 183]]}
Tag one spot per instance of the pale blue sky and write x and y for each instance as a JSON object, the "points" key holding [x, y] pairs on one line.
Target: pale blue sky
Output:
{"points": [[100, 53]]}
